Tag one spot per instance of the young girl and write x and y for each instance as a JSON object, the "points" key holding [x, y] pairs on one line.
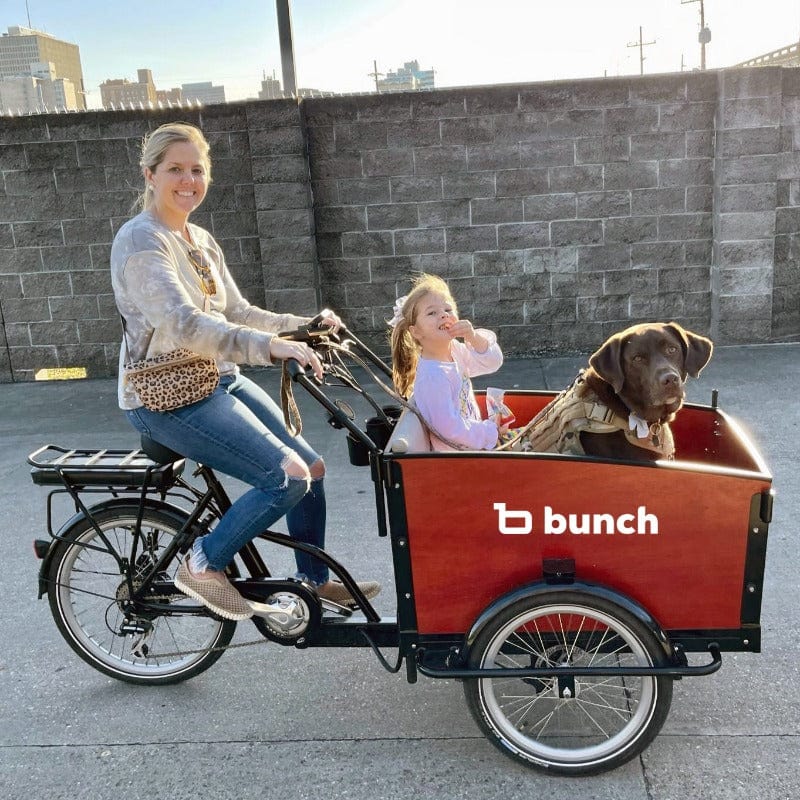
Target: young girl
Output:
{"points": [[429, 359]]}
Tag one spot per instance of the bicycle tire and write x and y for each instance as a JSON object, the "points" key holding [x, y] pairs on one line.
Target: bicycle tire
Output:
{"points": [[568, 726], [87, 588]]}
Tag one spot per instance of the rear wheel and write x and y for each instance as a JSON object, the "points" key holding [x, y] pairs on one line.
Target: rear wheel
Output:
{"points": [[571, 725], [88, 590]]}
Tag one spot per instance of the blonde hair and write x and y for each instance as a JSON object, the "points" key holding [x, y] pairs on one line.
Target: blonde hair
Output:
{"points": [[155, 145], [405, 350]]}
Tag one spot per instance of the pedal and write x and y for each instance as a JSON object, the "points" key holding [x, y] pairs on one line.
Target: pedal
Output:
{"points": [[335, 608]]}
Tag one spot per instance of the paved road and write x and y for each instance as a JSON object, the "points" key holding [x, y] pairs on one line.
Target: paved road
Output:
{"points": [[268, 722]]}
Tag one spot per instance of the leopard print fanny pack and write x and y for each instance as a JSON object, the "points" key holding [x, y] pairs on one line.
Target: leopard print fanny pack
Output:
{"points": [[172, 380]]}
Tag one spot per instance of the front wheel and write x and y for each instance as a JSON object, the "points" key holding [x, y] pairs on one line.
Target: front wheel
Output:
{"points": [[88, 590], [570, 725]]}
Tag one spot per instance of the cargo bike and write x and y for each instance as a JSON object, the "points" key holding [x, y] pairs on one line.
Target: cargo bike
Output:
{"points": [[567, 593]]}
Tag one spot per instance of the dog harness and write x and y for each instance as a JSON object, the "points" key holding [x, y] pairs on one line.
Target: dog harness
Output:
{"points": [[557, 427]]}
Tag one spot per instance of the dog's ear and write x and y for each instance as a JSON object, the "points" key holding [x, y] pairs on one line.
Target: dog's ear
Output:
{"points": [[607, 362], [696, 349]]}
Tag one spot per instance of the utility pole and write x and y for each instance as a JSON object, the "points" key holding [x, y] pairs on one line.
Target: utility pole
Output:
{"points": [[704, 37], [641, 45], [375, 74], [287, 47]]}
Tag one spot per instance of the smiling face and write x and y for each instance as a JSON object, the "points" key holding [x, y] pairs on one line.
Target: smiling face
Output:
{"points": [[434, 315], [179, 183]]}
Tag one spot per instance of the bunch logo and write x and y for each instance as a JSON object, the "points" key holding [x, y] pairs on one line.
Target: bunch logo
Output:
{"points": [[520, 522]]}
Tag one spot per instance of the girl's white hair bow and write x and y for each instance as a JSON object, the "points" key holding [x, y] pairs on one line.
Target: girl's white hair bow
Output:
{"points": [[398, 311]]}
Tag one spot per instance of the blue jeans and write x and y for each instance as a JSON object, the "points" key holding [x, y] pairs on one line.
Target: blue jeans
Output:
{"points": [[239, 430]]}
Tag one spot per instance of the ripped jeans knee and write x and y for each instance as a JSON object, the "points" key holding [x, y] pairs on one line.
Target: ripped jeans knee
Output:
{"points": [[295, 470]]}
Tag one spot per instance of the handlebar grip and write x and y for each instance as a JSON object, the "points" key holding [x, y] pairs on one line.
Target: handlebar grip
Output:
{"points": [[294, 368]]}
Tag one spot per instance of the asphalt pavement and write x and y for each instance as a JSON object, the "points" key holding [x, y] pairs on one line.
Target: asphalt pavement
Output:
{"points": [[272, 722]]}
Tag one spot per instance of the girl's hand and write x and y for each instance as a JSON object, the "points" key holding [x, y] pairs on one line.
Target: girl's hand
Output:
{"points": [[462, 329], [502, 428], [283, 349]]}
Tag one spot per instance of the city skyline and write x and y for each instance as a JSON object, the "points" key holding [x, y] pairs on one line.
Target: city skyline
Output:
{"points": [[336, 43]]}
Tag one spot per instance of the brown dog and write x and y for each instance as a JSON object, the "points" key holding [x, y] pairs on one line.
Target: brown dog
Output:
{"points": [[621, 406], [639, 374]]}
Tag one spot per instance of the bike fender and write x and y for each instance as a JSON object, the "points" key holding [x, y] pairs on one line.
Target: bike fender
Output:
{"points": [[591, 590], [80, 516]]}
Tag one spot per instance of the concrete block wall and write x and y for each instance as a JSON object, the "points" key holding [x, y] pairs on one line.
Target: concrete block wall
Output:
{"points": [[68, 183], [559, 212], [786, 275]]}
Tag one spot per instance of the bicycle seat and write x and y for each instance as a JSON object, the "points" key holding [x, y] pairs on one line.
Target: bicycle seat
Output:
{"points": [[160, 453]]}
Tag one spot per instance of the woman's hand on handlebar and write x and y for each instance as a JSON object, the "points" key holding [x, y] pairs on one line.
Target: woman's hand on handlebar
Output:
{"points": [[284, 349]]}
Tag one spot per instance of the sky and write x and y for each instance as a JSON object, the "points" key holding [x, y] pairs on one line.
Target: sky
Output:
{"points": [[467, 42]]}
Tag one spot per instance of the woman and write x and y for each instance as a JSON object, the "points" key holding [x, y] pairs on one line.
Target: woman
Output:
{"points": [[173, 289]]}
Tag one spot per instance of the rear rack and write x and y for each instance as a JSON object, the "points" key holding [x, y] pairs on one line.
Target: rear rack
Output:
{"points": [[53, 465]]}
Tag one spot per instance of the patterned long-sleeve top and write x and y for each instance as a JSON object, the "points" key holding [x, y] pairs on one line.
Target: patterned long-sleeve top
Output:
{"points": [[159, 294]]}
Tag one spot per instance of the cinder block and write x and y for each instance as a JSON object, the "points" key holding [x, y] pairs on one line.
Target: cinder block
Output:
{"points": [[364, 190], [683, 279], [414, 189], [631, 229], [596, 258], [285, 140], [26, 182], [555, 153], [631, 281], [749, 169], [651, 90], [77, 308], [57, 332], [751, 113], [35, 234], [591, 205], [444, 213], [496, 209], [699, 198], [632, 175], [753, 141], [344, 270], [389, 216], [388, 162], [576, 122], [413, 133], [467, 240], [577, 232], [20, 260], [684, 226], [686, 116], [520, 236], [86, 231], [291, 222], [427, 240], [520, 127], [440, 160], [647, 146], [602, 149], [371, 243], [746, 225], [587, 178], [281, 195], [492, 100], [748, 197], [293, 168], [543, 207], [516, 182], [467, 130], [340, 218], [448, 265], [551, 259], [745, 281], [635, 119], [500, 262], [524, 286], [288, 250], [493, 157]]}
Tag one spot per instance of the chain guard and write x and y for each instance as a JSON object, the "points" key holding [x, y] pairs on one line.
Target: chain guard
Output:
{"points": [[299, 608]]}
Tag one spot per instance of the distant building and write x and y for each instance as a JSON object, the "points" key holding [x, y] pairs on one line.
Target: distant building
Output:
{"points": [[38, 92], [788, 56], [270, 88], [121, 93], [21, 47], [205, 93], [168, 97], [407, 78]]}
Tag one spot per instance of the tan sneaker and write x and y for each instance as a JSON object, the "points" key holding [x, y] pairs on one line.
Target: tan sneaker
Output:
{"points": [[214, 591], [337, 593]]}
